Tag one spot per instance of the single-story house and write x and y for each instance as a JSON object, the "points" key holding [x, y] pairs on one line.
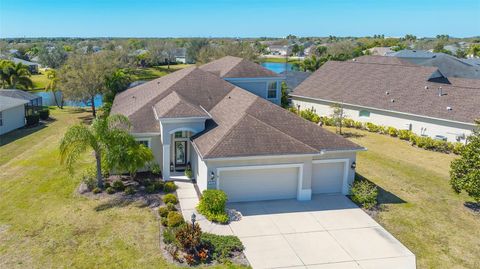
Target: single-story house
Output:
{"points": [[32, 67], [180, 55], [34, 102], [282, 50], [232, 139], [12, 114], [381, 51], [390, 91]]}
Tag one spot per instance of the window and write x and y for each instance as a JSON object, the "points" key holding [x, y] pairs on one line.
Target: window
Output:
{"points": [[364, 114], [272, 90], [181, 134], [144, 142], [1, 119]]}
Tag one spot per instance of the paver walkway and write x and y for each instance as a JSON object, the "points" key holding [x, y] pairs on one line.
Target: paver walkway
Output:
{"points": [[327, 232]]}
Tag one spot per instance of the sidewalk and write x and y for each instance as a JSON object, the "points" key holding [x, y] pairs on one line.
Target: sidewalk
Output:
{"points": [[188, 199]]}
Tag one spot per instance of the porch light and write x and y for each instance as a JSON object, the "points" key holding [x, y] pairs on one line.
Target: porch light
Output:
{"points": [[194, 217], [354, 165], [212, 176], [171, 167]]}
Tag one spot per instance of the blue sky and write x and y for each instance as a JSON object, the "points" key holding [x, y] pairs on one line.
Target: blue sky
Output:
{"points": [[242, 18]]}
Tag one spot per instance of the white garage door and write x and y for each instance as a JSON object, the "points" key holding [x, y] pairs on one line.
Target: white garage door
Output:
{"points": [[327, 177], [259, 184]]}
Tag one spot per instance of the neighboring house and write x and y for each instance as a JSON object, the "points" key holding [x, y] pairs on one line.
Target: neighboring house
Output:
{"points": [[12, 114], [32, 67], [34, 102], [448, 65], [294, 78], [180, 55], [282, 50], [234, 140], [249, 76], [391, 92], [380, 51]]}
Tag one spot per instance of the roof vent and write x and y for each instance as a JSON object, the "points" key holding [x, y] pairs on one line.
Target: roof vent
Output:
{"points": [[440, 91], [449, 108], [392, 100], [426, 87], [354, 59], [387, 93]]}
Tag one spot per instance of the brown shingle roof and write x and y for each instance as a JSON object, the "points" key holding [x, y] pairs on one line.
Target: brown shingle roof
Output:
{"points": [[365, 84], [234, 67], [240, 123]]}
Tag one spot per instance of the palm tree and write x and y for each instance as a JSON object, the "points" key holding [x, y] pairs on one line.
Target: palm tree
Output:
{"points": [[99, 136], [312, 64], [17, 76], [52, 86]]}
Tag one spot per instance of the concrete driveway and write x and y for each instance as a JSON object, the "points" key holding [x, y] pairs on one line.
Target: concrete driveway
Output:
{"points": [[328, 232]]}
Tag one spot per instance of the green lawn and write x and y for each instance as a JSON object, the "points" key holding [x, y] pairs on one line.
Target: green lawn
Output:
{"points": [[420, 208], [44, 224], [279, 60], [150, 73], [39, 81]]}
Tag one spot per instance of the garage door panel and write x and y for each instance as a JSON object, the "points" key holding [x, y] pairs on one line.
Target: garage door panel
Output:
{"points": [[259, 184], [327, 177]]}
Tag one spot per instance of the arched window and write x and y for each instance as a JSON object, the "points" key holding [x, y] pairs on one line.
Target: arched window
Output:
{"points": [[364, 114]]}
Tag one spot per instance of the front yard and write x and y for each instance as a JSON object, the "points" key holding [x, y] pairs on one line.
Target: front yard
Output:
{"points": [[420, 208], [45, 224]]}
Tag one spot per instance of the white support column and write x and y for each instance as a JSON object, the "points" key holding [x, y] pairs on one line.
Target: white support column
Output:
{"points": [[166, 161]]}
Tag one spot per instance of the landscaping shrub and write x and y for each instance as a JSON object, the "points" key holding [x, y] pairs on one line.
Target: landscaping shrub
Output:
{"points": [[221, 247], [155, 169], [188, 172], [458, 148], [118, 185], [129, 190], [348, 123], [404, 134], [310, 115], [106, 185], [168, 235], [44, 113], [170, 199], [174, 219], [150, 188], [364, 193], [110, 190], [169, 187], [90, 182], [188, 237], [372, 127], [96, 190], [382, 129], [358, 125], [171, 207], [163, 211], [392, 131], [32, 119], [212, 205], [154, 186], [328, 121], [164, 221]]}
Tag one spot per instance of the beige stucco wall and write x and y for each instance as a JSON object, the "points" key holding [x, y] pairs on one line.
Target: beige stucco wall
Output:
{"points": [[419, 125], [155, 145]]}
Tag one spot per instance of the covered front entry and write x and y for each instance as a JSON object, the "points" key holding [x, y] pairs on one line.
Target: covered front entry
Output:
{"points": [[180, 152], [255, 183], [329, 176]]}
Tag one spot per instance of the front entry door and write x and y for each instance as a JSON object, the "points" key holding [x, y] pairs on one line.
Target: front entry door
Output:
{"points": [[180, 155]]}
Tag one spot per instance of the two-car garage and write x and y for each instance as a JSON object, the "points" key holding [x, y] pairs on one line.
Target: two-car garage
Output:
{"points": [[272, 182]]}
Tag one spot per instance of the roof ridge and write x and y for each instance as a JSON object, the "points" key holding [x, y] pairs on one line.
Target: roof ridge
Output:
{"points": [[199, 108]]}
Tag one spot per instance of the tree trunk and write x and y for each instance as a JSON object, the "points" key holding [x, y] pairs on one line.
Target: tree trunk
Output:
{"points": [[93, 107], [98, 158], [55, 98]]}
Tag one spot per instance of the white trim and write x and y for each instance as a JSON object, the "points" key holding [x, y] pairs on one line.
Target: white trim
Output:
{"points": [[144, 134], [182, 129], [182, 120], [380, 109], [345, 187], [260, 157], [300, 194], [148, 139]]}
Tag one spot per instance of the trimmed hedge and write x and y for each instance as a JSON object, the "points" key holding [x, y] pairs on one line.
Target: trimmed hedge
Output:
{"points": [[423, 142], [44, 113], [32, 119], [364, 193]]}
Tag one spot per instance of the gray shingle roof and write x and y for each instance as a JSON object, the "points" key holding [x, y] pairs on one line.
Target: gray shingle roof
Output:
{"points": [[240, 123], [366, 84], [9, 102], [234, 67], [294, 78], [19, 94]]}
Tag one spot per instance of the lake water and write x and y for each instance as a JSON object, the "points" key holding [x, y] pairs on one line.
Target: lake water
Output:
{"points": [[47, 97], [47, 100], [277, 67]]}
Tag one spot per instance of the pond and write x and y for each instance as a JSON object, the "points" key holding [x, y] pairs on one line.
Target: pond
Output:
{"points": [[277, 67], [47, 100]]}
